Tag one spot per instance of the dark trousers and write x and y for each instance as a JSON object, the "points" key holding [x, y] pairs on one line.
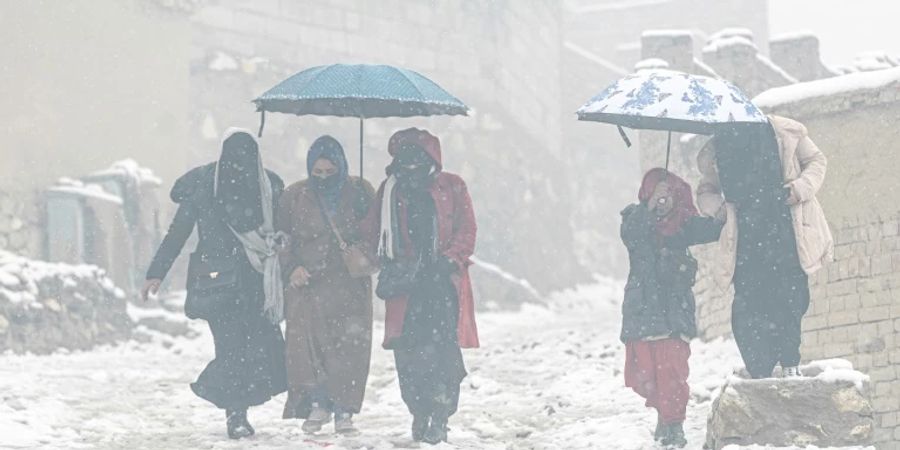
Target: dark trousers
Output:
{"points": [[429, 361], [766, 318]]}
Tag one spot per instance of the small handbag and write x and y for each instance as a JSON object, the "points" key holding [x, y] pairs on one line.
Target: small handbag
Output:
{"points": [[358, 263], [397, 278], [213, 282]]}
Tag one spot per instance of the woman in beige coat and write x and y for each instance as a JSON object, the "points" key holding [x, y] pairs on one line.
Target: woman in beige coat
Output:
{"points": [[766, 179], [328, 312]]}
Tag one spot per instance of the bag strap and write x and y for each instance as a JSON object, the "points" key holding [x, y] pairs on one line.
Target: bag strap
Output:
{"points": [[330, 221]]}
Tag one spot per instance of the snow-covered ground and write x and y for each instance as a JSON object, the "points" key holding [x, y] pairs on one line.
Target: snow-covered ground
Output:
{"points": [[545, 378]]}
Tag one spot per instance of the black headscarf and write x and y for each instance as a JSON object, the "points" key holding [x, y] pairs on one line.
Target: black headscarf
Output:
{"points": [[237, 192], [412, 180], [749, 165]]}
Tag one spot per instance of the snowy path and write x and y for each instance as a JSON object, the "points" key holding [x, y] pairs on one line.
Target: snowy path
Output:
{"points": [[545, 379]]}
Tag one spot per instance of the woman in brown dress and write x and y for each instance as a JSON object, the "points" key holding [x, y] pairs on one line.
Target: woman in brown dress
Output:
{"points": [[328, 312]]}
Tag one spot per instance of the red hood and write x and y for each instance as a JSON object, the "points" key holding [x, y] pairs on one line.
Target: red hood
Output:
{"points": [[428, 141]]}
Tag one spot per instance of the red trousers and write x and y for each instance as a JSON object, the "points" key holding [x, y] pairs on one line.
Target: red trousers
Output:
{"points": [[658, 371]]}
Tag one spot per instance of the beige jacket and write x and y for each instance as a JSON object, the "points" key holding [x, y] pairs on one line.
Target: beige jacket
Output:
{"points": [[804, 171]]}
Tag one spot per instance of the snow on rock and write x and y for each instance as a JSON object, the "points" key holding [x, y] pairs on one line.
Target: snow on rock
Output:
{"points": [[44, 306], [828, 87], [130, 169], [787, 412]]}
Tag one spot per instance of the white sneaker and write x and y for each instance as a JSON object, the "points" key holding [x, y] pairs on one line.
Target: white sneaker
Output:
{"points": [[791, 372]]}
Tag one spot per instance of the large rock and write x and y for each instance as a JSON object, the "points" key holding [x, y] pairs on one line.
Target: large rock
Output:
{"points": [[828, 407], [46, 306]]}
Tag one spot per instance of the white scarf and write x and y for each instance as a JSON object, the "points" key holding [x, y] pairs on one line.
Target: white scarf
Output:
{"points": [[263, 244], [386, 237]]}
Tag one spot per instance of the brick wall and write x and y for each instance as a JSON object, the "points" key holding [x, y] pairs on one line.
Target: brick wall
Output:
{"points": [[855, 313]]}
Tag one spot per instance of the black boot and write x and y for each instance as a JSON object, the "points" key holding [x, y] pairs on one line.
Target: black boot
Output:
{"points": [[246, 423], [420, 427], [236, 420], [659, 433], [437, 432], [674, 435]]}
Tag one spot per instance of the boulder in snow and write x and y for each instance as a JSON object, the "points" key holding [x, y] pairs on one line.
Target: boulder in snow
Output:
{"points": [[828, 407]]}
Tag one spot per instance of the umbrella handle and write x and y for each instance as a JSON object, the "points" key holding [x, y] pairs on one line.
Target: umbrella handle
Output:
{"points": [[624, 136]]}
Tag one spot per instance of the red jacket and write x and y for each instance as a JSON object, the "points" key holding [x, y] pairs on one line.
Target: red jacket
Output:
{"points": [[456, 231]]}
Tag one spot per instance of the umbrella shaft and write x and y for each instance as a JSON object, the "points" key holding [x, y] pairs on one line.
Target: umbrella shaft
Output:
{"points": [[361, 148]]}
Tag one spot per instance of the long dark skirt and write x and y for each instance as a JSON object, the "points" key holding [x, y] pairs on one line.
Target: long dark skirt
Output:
{"points": [[429, 361], [771, 293], [249, 366]]}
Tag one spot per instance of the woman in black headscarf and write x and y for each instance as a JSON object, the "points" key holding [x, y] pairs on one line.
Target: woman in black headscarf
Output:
{"points": [[328, 311], [234, 278], [775, 237]]}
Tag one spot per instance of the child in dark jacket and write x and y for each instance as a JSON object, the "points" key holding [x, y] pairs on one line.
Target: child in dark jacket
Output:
{"points": [[658, 310]]}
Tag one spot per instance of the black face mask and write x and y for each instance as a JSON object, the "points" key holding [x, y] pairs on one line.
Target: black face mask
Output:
{"points": [[328, 183], [418, 172], [413, 167]]}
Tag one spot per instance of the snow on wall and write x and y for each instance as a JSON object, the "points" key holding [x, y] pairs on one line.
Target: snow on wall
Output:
{"points": [[828, 87], [76, 187], [720, 44], [793, 36], [130, 169]]}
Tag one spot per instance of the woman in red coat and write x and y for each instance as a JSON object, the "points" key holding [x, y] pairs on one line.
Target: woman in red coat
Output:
{"points": [[424, 214]]}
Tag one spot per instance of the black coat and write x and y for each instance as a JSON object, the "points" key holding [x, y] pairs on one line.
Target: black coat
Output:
{"points": [[659, 300], [194, 194], [249, 365], [196, 207]]}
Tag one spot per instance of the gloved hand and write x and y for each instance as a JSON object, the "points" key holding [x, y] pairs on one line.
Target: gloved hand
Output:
{"points": [[446, 265]]}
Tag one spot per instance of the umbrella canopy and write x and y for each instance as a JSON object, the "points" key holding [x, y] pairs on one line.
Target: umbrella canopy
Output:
{"points": [[671, 101], [360, 90]]}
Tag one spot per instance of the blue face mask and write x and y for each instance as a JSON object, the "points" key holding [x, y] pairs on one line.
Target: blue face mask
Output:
{"points": [[328, 183]]}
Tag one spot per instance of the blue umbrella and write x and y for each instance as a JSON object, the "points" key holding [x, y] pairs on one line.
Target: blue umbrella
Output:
{"points": [[360, 90], [671, 101]]}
